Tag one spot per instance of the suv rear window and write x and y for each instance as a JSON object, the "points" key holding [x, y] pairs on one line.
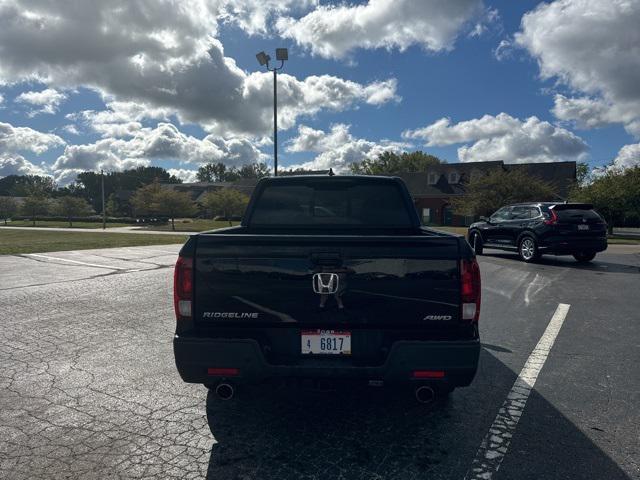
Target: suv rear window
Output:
{"points": [[331, 204]]}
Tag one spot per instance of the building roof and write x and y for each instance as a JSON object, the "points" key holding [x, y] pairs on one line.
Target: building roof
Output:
{"points": [[560, 174]]}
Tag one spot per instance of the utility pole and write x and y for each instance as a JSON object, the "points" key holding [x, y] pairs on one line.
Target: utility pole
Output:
{"points": [[263, 59], [104, 212]]}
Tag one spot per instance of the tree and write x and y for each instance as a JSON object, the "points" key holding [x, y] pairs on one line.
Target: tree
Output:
{"points": [[212, 172], [485, 194], [72, 207], [143, 201], [172, 204], [113, 206], [390, 163], [254, 171], [226, 202], [615, 193], [89, 184], [25, 185], [219, 172], [8, 208], [582, 174], [35, 205]]}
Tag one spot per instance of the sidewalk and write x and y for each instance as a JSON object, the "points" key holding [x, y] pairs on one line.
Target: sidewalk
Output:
{"points": [[132, 229]]}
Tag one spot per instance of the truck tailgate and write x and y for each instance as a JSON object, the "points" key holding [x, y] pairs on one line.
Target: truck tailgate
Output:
{"points": [[385, 282]]}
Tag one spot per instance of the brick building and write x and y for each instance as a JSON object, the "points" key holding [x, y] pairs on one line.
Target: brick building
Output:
{"points": [[432, 191]]}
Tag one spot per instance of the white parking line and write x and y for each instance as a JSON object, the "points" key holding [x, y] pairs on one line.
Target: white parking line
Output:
{"points": [[74, 261], [496, 442]]}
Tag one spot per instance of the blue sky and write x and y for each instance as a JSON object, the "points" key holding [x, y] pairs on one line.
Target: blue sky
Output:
{"points": [[494, 80]]}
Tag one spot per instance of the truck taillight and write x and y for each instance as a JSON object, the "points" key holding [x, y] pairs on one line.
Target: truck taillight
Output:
{"points": [[471, 287], [183, 287]]}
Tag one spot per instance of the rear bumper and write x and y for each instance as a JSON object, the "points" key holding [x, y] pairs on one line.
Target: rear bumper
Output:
{"points": [[572, 245], [458, 359]]}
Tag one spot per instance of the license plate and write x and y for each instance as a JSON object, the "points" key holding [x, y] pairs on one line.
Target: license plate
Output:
{"points": [[583, 227], [326, 342]]}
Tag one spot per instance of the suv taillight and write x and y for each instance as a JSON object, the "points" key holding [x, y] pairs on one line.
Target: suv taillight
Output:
{"points": [[183, 287], [471, 289], [553, 220]]}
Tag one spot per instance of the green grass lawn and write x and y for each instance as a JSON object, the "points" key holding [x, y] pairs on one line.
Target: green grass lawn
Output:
{"points": [[33, 241], [192, 225], [63, 224], [623, 240]]}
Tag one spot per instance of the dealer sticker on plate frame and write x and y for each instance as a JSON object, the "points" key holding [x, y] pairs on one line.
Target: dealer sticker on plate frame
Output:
{"points": [[325, 342]]}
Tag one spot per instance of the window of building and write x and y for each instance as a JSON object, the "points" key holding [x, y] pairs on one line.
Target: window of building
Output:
{"points": [[433, 178], [426, 215], [454, 177]]}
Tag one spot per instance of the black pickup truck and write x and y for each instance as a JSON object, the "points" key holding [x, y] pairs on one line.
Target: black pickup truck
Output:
{"points": [[328, 278]]}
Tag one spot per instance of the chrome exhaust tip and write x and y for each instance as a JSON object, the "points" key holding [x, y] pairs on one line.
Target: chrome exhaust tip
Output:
{"points": [[425, 394], [225, 391]]}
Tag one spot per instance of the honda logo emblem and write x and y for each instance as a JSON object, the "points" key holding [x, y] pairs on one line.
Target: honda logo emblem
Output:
{"points": [[325, 283]]}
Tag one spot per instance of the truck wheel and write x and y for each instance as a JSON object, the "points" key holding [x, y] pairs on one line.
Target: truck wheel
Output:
{"points": [[584, 257], [528, 249], [476, 243]]}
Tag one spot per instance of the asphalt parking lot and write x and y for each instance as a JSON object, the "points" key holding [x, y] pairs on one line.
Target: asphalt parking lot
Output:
{"points": [[88, 388]]}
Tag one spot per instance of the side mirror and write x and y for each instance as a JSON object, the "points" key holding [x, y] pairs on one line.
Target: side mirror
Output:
{"points": [[484, 219]]}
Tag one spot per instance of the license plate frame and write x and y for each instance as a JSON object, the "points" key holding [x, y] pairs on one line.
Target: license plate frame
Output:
{"points": [[325, 342]]}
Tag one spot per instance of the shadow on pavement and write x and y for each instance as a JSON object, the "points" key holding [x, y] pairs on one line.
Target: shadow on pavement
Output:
{"points": [[568, 262], [368, 433]]}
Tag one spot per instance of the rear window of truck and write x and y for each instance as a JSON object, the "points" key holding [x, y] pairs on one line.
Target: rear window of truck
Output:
{"points": [[331, 204]]}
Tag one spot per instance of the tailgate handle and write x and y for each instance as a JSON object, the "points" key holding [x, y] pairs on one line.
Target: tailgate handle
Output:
{"points": [[331, 259]]}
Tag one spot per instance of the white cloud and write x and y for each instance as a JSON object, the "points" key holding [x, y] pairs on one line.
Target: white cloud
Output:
{"points": [[165, 142], [337, 148], [503, 137], [71, 129], [184, 174], [335, 31], [311, 140], [253, 15], [163, 55], [17, 165], [119, 119], [47, 100], [442, 132], [593, 47], [308, 97], [628, 156], [19, 139]]}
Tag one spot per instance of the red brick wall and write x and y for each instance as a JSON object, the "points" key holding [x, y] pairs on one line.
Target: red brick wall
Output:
{"points": [[435, 204]]}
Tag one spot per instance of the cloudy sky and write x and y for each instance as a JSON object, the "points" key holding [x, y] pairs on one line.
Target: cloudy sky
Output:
{"points": [[90, 85]]}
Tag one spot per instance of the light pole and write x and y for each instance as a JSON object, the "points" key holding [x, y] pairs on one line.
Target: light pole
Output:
{"points": [[263, 59], [104, 212]]}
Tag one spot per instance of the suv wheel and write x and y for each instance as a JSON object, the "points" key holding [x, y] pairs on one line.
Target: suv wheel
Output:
{"points": [[584, 257], [528, 249], [476, 243]]}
